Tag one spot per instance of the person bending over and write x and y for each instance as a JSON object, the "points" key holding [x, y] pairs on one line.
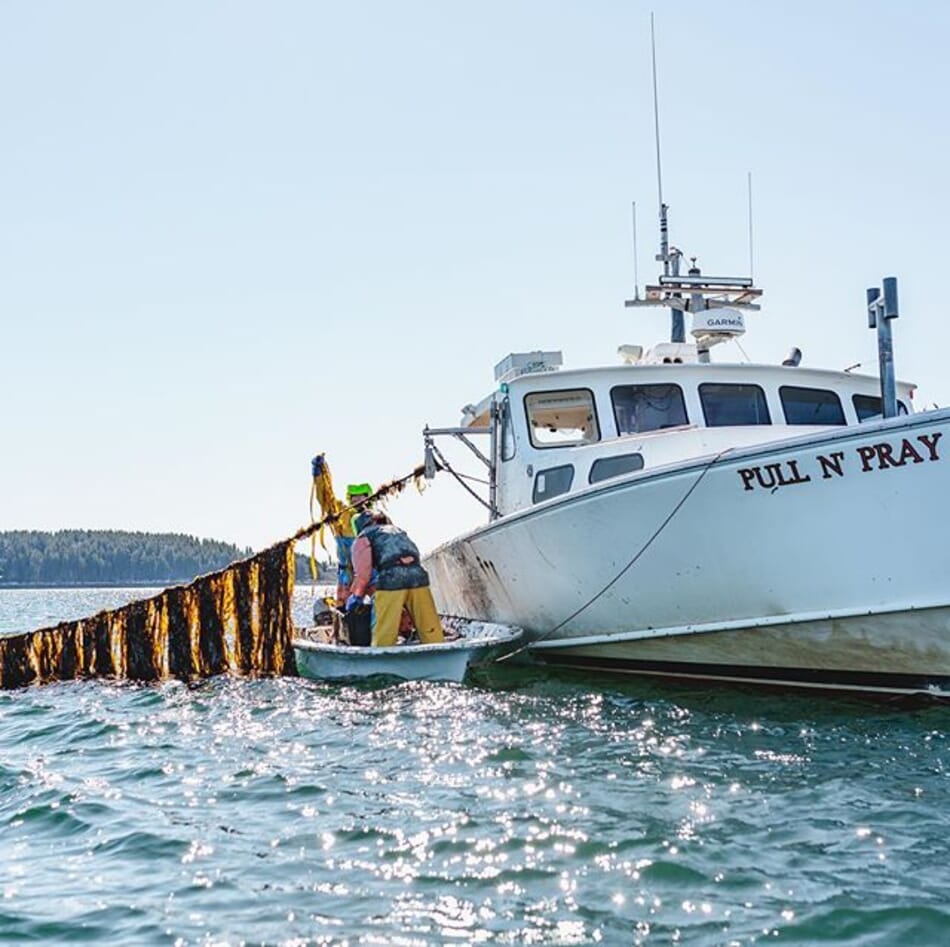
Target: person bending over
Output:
{"points": [[400, 582]]}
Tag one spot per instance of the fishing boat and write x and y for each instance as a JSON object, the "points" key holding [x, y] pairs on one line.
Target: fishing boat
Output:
{"points": [[673, 515], [467, 644]]}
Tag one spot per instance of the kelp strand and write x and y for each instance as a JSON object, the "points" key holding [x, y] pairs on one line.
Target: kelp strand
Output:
{"points": [[236, 620]]}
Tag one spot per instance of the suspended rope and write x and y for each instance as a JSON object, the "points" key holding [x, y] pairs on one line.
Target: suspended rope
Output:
{"points": [[235, 620], [632, 562], [443, 464]]}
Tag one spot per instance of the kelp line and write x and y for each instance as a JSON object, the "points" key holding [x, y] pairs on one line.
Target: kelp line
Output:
{"points": [[235, 620]]}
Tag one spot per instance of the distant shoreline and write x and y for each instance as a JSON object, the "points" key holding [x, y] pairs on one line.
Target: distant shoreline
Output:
{"points": [[94, 585], [158, 584]]}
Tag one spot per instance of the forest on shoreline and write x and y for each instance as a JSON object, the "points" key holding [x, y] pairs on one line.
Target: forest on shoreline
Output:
{"points": [[90, 557]]}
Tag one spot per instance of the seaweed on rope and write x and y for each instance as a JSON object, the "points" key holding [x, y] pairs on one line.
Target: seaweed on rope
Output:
{"points": [[237, 620]]}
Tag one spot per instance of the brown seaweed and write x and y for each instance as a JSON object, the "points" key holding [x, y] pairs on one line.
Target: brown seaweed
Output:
{"points": [[235, 620]]}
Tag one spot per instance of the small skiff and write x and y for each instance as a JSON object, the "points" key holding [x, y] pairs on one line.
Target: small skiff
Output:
{"points": [[467, 643]]}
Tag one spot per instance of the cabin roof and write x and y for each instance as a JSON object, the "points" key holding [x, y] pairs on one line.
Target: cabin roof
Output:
{"points": [[684, 372], [548, 380]]}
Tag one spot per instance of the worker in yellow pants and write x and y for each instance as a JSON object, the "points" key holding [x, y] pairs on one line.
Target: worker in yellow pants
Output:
{"points": [[389, 606], [401, 581]]}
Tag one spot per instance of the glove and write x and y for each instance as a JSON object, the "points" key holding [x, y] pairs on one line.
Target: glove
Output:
{"points": [[352, 602]]}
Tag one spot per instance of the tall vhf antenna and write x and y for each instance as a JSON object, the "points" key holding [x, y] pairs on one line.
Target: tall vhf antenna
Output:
{"points": [[751, 243], [636, 256], [664, 235], [677, 322]]}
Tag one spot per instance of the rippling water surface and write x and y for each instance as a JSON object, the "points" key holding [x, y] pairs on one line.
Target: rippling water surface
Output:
{"points": [[525, 807]]}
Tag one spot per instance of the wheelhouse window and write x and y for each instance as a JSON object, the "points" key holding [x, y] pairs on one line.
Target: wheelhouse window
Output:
{"points": [[608, 467], [726, 405], [868, 407], [562, 418], [810, 406], [641, 408], [552, 482]]}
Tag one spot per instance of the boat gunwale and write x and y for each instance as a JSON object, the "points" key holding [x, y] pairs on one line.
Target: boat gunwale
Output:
{"points": [[512, 634]]}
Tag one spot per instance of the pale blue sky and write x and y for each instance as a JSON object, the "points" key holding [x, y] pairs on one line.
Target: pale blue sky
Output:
{"points": [[234, 233]]}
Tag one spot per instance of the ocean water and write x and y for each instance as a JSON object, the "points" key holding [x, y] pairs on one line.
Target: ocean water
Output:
{"points": [[525, 807]]}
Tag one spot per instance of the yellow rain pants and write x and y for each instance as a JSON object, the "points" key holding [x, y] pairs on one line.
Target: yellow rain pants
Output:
{"points": [[389, 606]]}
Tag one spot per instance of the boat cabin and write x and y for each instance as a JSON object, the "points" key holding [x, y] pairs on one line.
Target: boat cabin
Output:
{"points": [[557, 431]]}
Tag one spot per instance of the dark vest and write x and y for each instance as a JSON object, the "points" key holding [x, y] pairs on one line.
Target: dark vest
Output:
{"points": [[390, 544]]}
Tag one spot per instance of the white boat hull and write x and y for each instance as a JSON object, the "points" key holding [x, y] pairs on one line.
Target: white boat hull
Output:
{"points": [[447, 661], [819, 561]]}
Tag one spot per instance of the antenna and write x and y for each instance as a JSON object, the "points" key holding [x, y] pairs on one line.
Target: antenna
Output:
{"points": [[656, 114], [670, 263], [714, 302], [751, 258], [636, 256], [664, 233]]}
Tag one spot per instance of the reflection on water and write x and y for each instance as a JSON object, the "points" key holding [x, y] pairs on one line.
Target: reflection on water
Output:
{"points": [[26, 609], [525, 808]]}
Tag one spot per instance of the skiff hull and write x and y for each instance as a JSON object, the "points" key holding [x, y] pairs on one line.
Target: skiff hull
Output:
{"points": [[479, 642]]}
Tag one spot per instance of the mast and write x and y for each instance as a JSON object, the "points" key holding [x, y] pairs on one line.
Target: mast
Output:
{"points": [[714, 302], [669, 259]]}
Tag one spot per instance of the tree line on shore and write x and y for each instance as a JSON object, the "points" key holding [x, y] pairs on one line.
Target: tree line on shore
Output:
{"points": [[117, 557]]}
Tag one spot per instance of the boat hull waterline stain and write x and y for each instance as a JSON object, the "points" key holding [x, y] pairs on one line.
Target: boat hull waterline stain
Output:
{"points": [[237, 620]]}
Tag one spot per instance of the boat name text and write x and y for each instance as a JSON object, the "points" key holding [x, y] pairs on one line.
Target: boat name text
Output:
{"points": [[867, 458]]}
